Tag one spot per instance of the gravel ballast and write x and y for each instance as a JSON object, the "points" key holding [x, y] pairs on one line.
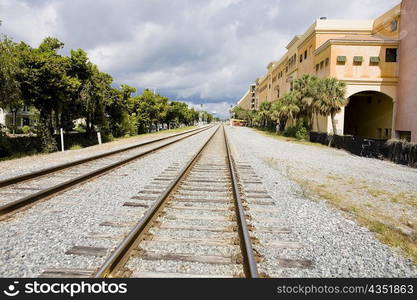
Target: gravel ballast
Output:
{"points": [[37, 238], [335, 245], [27, 164]]}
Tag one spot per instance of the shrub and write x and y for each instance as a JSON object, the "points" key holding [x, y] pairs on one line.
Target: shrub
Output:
{"points": [[75, 147], [26, 129], [299, 131], [290, 131], [79, 129], [5, 146]]}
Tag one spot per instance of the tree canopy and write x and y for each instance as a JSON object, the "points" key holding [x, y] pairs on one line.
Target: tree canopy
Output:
{"points": [[310, 96], [67, 89]]}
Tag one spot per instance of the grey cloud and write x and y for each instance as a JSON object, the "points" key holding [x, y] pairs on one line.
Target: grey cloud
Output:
{"points": [[198, 50]]}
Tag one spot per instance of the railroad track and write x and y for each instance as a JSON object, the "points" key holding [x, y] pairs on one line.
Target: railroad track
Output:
{"points": [[195, 227], [21, 191]]}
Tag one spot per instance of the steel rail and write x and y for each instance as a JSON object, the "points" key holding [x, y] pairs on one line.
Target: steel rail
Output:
{"points": [[24, 177], [251, 269], [121, 252], [14, 205]]}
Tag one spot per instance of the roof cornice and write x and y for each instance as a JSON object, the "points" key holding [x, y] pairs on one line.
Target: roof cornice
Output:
{"points": [[355, 42]]}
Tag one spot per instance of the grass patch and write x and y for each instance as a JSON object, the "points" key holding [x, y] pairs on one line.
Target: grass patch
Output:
{"points": [[76, 147], [393, 237], [377, 193], [405, 198], [401, 197], [386, 233], [273, 134]]}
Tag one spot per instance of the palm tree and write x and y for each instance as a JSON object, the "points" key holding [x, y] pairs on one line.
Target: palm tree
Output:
{"points": [[285, 108], [264, 113], [306, 90], [251, 117], [332, 97]]}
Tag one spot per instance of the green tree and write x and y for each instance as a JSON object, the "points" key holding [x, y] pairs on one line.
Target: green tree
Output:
{"points": [[94, 95], [332, 97], [10, 93], [286, 108], [146, 110], [46, 85], [264, 113], [122, 117], [306, 92]]}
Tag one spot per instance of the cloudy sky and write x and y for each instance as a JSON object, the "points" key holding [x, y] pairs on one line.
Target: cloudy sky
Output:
{"points": [[199, 51]]}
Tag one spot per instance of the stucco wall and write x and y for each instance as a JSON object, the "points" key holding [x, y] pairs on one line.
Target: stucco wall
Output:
{"points": [[407, 96], [245, 102]]}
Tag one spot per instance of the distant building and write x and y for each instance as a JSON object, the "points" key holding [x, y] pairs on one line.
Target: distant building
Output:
{"points": [[20, 117], [248, 101], [377, 59]]}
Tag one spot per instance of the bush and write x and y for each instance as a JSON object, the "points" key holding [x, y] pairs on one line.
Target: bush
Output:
{"points": [[26, 129], [76, 147], [299, 131], [5, 146], [79, 129]]}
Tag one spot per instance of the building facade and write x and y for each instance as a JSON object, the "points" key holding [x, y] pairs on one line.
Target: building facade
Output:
{"points": [[248, 101], [19, 117], [406, 122], [376, 60]]}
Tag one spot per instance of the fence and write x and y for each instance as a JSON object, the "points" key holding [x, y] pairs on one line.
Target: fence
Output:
{"points": [[400, 152]]}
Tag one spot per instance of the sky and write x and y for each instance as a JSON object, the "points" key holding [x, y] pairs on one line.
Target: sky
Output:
{"points": [[198, 51]]}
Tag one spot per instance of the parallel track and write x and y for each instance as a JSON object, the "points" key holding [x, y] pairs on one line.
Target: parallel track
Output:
{"points": [[204, 192], [37, 180]]}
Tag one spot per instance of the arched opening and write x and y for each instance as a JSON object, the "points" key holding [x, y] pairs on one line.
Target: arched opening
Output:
{"points": [[369, 114]]}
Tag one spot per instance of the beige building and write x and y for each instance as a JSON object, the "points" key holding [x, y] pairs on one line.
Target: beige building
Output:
{"points": [[406, 121], [365, 55], [248, 101]]}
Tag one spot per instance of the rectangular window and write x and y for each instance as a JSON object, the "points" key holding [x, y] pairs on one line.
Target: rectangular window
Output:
{"points": [[327, 62], [394, 25], [341, 59], [301, 58], [374, 59], [305, 54], [391, 55], [357, 59], [321, 64]]}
